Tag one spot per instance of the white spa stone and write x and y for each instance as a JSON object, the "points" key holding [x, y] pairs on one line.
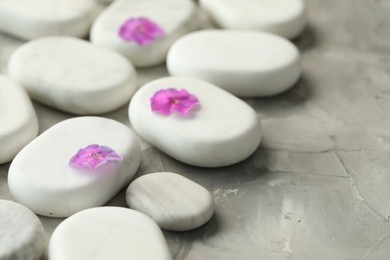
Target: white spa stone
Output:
{"points": [[72, 75], [247, 64], [40, 177], [174, 202], [18, 121], [176, 17], [31, 19], [21, 233], [283, 17], [108, 233], [223, 131]]}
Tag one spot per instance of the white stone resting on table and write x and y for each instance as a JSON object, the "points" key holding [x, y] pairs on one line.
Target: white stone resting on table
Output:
{"points": [[33, 19], [40, 177], [21, 233], [18, 121], [285, 18], [174, 202], [176, 17], [72, 75], [108, 233], [222, 131], [247, 64]]}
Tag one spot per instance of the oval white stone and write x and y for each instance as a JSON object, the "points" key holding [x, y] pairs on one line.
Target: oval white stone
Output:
{"points": [[174, 202], [224, 131], [39, 18], [108, 233], [285, 18], [72, 75], [19, 123], [40, 178], [22, 235], [176, 17], [247, 64]]}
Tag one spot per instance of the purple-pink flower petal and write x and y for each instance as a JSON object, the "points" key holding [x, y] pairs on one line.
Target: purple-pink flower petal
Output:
{"points": [[167, 101], [141, 30], [93, 156]]}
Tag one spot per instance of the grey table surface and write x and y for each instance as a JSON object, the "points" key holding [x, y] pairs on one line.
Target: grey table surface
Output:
{"points": [[318, 187]]}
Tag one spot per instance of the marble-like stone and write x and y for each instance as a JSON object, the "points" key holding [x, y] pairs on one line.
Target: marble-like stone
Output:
{"points": [[285, 18], [108, 233], [72, 75], [19, 123], [174, 202], [39, 18], [40, 177], [222, 131], [247, 64], [21, 233], [176, 17]]}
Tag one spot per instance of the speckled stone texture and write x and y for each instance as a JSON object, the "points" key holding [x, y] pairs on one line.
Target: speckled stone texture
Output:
{"points": [[21, 233], [318, 187]]}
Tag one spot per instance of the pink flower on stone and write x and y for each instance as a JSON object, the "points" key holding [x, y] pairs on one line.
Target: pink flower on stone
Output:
{"points": [[141, 30], [167, 101], [93, 156]]}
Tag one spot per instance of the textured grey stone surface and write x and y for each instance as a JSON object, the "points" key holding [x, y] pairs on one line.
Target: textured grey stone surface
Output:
{"points": [[318, 187], [21, 233]]}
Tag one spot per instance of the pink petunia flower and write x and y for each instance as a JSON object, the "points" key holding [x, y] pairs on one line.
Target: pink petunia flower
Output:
{"points": [[93, 156], [167, 101], [141, 30]]}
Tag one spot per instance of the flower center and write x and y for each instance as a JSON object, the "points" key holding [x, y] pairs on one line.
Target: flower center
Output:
{"points": [[175, 101], [140, 28], [95, 155]]}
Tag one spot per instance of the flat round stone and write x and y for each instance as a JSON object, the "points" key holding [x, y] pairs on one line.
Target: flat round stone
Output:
{"points": [[176, 17], [40, 177], [222, 131], [174, 202], [21, 233], [73, 75], [39, 18], [285, 18], [19, 123], [108, 233], [247, 64]]}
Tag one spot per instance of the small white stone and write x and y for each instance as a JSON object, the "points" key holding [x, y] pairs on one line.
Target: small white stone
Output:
{"points": [[224, 130], [176, 17], [247, 64], [19, 123], [174, 202], [108, 233], [40, 177], [72, 75], [285, 18], [21, 233], [33, 19]]}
